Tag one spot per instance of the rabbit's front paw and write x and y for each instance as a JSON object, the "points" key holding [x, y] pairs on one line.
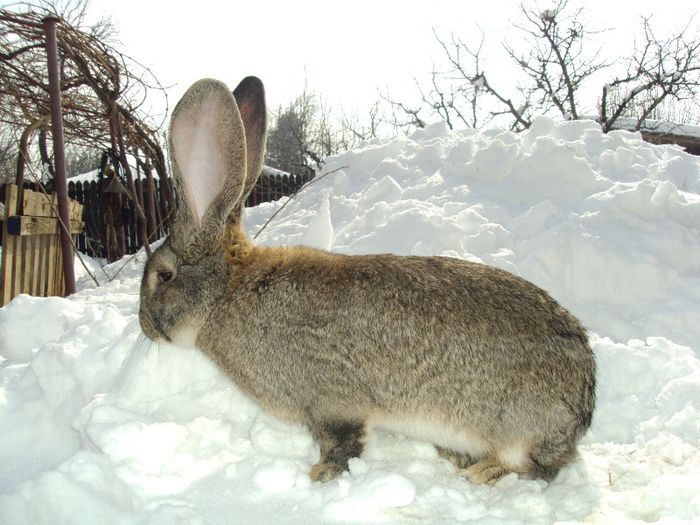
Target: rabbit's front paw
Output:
{"points": [[339, 441]]}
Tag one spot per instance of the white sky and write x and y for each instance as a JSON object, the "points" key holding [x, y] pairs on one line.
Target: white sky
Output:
{"points": [[346, 50]]}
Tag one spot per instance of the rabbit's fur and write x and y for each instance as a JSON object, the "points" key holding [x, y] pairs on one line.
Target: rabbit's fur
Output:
{"points": [[478, 361]]}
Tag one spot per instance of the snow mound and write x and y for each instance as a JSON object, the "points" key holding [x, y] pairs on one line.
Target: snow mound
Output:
{"points": [[101, 426]]}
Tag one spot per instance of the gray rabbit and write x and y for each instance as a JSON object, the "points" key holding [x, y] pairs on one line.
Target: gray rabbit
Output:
{"points": [[482, 363]]}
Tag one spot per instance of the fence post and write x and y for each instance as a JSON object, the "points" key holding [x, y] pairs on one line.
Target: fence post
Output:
{"points": [[59, 152]]}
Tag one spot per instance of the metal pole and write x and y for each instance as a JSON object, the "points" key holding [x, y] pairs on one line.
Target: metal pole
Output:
{"points": [[59, 152]]}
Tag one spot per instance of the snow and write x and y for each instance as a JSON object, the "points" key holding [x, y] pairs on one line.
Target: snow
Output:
{"points": [[94, 174], [89, 176], [273, 172], [102, 426], [479, 82]]}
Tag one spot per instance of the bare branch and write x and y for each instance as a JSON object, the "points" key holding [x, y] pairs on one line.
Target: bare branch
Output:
{"points": [[94, 77], [661, 71]]}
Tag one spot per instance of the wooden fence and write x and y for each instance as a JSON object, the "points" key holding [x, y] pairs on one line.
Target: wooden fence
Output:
{"points": [[32, 261], [272, 187], [113, 227]]}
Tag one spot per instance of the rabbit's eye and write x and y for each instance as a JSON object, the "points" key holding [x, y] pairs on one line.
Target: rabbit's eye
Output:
{"points": [[164, 277]]}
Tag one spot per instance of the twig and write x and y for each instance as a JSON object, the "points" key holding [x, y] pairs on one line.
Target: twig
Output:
{"points": [[133, 256], [91, 246], [293, 195]]}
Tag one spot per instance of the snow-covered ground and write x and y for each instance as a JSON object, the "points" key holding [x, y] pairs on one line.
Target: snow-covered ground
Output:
{"points": [[101, 426]]}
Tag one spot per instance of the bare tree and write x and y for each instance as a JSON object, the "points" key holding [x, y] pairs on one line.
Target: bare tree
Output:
{"points": [[287, 138], [403, 116], [303, 133], [471, 86], [661, 71], [460, 93], [80, 159], [354, 131], [74, 12], [557, 60]]}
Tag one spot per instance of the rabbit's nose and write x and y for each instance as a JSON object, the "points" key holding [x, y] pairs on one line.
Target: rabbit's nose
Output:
{"points": [[150, 327]]}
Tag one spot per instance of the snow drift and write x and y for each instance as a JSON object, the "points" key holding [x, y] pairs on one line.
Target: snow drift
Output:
{"points": [[101, 426]]}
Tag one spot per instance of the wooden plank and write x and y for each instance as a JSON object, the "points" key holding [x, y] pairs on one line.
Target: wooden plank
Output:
{"points": [[11, 199], [37, 204], [51, 273], [55, 254], [24, 225], [17, 267], [54, 205], [4, 256], [28, 263], [43, 264], [13, 264], [36, 268], [5, 267], [24, 271], [60, 281], [8, 249], [75, 210], [27, 266]]}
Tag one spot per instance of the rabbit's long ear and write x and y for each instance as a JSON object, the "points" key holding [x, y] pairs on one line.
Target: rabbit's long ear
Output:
{"points": [[250, 97], [208, 158]]}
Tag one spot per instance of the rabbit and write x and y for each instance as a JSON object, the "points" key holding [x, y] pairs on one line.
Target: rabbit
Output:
{"points": [[481, 363]]}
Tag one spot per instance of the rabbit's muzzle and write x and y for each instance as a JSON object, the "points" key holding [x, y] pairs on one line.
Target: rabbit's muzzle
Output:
{"points": [[150, 327]]}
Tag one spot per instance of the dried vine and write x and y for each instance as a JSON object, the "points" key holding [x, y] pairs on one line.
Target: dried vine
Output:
{"points": [[104, 93]]}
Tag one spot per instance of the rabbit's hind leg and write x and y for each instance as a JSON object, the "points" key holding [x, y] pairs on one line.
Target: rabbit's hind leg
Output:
{"points": [[461, 460], [542, 461], [486, 470], [339, 441], [512, 458]]}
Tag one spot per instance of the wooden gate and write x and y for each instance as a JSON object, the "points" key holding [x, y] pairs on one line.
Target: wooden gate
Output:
{"points": [[32, 262]]}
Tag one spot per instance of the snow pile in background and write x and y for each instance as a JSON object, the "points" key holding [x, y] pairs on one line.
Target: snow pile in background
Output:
{"points": [[100, 426]]}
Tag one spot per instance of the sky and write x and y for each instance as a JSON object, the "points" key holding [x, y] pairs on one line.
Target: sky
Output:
{"points": [[346, 51]]}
